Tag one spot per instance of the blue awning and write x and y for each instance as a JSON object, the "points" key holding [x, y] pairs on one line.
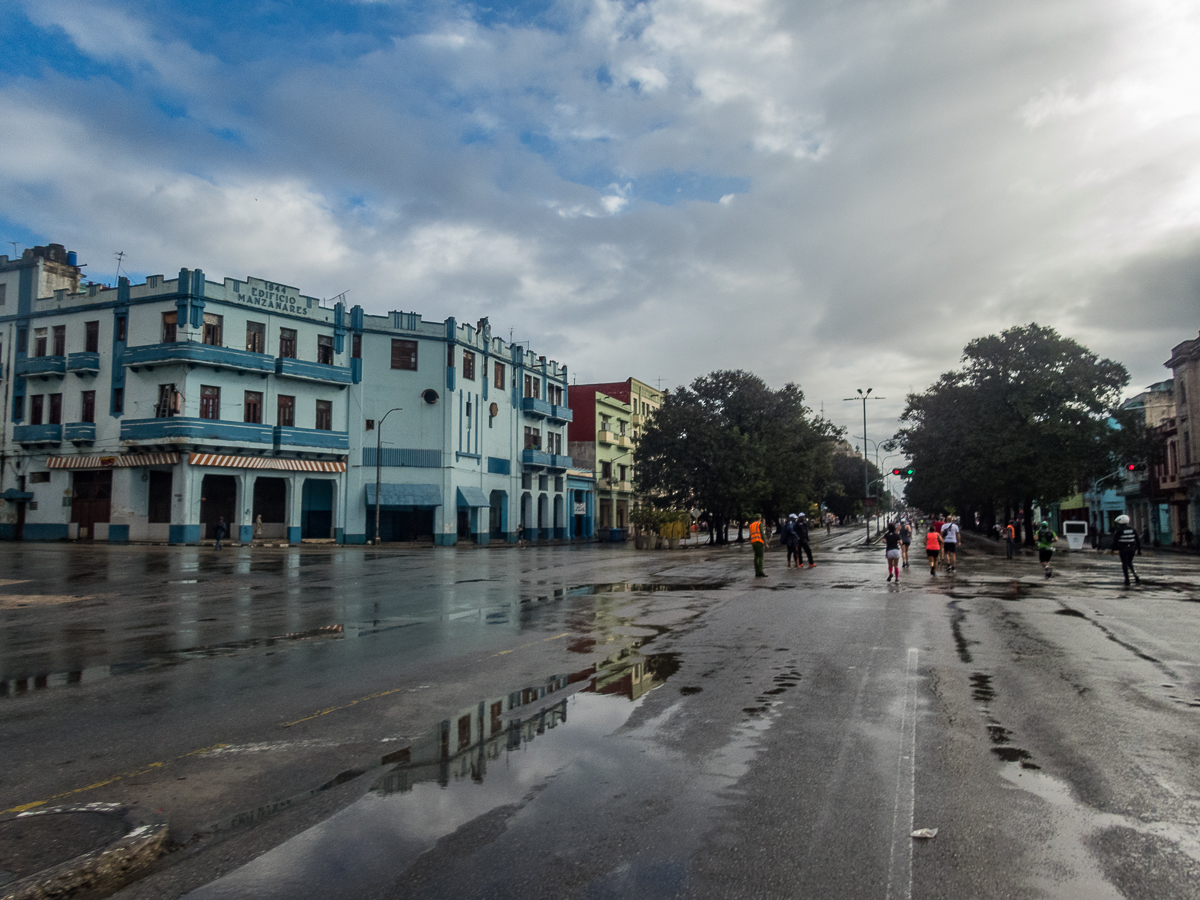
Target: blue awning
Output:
{"points": [[472, 497], [12, 495], [422, 495]]}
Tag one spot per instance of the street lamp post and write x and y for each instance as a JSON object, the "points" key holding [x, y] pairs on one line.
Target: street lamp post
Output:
{"points": [[379, 465], [866, 460]]}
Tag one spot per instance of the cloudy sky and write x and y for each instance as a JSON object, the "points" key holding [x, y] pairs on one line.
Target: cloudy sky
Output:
{"points": [[835, 192]]}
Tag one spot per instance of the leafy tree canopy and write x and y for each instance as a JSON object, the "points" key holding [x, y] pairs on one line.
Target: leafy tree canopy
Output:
{"points": [[730, 445]]}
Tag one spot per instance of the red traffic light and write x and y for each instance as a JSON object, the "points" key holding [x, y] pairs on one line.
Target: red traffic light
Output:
{"points": [[897, 471], [1131, 467]]}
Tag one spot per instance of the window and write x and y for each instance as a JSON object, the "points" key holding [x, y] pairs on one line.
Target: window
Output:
{"points": [[118, 401], [287, 343], [121, 326], [256, 337], [252, 407], [325, 349], [324, 415], [356, 346], [3, 293], [87, 406], [39, 477], [468, 365], [286, 411], [35, 409], [55, 415], [370, 425], [555, 395], [22, 340], [498, 375], [18, 408], [60, 340], [170, 324], [214, 330], [533, 438], [622, 470], [621, 426], [527, 481], [91, 337], [555, 440], [606, 470], [210, 402], [543, 482], [39, 342], [168, 402], [404, 355], [450, 356]]}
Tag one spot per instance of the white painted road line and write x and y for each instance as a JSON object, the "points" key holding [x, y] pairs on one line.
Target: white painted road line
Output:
{"points": [[899, 883]]}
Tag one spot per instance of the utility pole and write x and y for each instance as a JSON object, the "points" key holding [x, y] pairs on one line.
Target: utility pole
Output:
{"points": [[866, 460], [379, 466]]}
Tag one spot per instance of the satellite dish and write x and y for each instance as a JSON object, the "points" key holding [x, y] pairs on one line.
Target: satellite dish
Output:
{"points": [[430, 396], [493, 409]]}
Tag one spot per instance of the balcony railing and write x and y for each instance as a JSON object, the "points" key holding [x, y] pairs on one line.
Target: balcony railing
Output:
{"points": [[86, 363], [623, 440], [306, 370], [561, 414], [537, 458], [194, 354], [605, 436], [37, 434], [536, 407], [187, 430], [80, 432], [41, 366], [287, 436]]}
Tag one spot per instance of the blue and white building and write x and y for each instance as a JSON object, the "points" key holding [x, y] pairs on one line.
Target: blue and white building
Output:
{"points": [[151, 411]]}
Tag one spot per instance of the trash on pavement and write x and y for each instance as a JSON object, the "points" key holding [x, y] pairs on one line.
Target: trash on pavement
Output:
{"points": [[925, 833]]}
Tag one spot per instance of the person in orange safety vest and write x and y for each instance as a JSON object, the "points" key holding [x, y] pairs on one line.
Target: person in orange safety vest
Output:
{"points": [[758, 545]]}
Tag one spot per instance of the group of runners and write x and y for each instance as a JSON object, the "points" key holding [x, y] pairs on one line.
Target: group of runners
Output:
{"points": [[941, 545]]}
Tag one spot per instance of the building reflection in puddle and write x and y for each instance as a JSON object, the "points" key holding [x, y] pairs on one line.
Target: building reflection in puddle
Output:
{"points": [[494, 754]]}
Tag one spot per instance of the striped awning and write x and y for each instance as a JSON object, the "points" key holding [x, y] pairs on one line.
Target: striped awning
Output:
{"points": [[122, 461], [266, 462]]}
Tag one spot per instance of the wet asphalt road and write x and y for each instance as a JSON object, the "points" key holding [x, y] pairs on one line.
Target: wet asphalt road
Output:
{"points": [[323, 721]]}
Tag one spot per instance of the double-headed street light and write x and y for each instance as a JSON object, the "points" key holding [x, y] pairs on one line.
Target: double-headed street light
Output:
{"points": [[866, 461], [379, 465]]}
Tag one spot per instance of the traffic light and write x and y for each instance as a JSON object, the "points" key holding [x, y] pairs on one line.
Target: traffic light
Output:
{"points": [[903, 473], [908, 472], [897, 471], [1131, 467]]}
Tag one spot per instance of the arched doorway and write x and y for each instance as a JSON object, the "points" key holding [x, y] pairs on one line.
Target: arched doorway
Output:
{"points": [[497, 513], [270, 502], [218, 499], [527, 517], [543, 517], [560, 524], [316, 509]]}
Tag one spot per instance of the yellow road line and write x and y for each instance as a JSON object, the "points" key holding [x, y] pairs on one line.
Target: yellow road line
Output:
{"points": [[91, 787], [332, 709]]}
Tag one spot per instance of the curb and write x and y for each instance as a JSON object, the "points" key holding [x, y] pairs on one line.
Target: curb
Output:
{"points": [[112, 864]]}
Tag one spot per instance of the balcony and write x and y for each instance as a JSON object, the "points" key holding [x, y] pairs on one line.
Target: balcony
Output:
{"points": [[305, 370], [287, 436], [80, 432], [41, 366], [84, 363], [611, 484], [561, 414], [28, 435], [186, 430], [538, 459], [637, 419], [536, 408], [605, 436], [193, 354], [623, 440]]}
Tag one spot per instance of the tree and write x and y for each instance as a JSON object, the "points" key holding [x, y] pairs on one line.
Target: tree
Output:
{"points": [[733, 447], [843, 494], [1029, 417]]}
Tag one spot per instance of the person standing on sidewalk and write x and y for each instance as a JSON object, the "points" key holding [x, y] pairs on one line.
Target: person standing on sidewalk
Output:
{"points": [[950, 534], [802, 541], [219, 530], [892, 540], [1126, 542], [758, 545], [933, 547], [1046, 539]]}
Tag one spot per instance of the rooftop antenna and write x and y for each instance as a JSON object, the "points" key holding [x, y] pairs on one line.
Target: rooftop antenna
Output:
{"points": [[14, 243], [336, 298], [120, 254]]}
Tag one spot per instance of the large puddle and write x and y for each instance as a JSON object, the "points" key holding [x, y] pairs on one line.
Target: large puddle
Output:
{"points": [[493, 755]]}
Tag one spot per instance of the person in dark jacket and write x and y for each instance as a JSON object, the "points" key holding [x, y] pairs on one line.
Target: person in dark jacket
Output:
{"points": [[787, 537], [220, 530], [801, 527], [1125, 541]]}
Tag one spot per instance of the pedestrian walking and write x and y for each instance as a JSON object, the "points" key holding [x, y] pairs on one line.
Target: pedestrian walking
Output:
{"points": [[892, 553], [950, 535], [905, 539], [933, 547], [789, 540], [1010, 539], [520, 535], [219, 530], [1046, 539], [802, 541], [758, 545], [1126, 542]]}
